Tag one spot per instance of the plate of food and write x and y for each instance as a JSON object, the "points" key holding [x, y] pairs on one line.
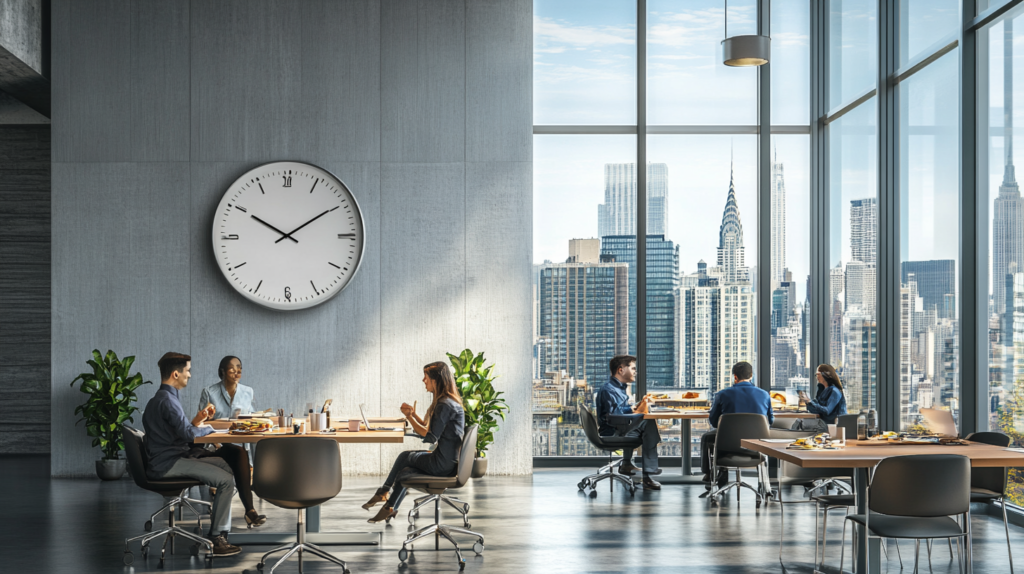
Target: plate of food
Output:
{"points": [[251, 426]]}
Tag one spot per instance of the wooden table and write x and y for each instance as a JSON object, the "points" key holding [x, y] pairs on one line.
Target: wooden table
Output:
{"points": [[685, 417], [864, 455], [313, 534]]}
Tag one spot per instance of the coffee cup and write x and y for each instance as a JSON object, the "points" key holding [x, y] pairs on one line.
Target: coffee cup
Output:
{"points": [[353, 425]]}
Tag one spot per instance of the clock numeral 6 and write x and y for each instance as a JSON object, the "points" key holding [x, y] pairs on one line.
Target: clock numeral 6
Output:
{"points": [[288, 293], [287, 180]]}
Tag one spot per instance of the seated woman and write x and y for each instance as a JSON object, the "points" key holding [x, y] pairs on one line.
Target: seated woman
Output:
{"points": [[226, 396], [444, 425], [829, 403]]}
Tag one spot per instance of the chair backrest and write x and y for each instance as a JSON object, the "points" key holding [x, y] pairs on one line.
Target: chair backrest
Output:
{"points": [[734, 427], [993, 479], [297, 470], [848, 422], [466, 456], [589, 423], [135, 452], [921, 485]]}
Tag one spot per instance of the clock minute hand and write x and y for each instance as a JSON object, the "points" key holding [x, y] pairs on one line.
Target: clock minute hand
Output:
{"points": [[283, 234], [289, 235]]}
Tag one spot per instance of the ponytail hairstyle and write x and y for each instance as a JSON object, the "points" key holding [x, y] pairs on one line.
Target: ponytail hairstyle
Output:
{"points": [[829, 374], [444, 385]]}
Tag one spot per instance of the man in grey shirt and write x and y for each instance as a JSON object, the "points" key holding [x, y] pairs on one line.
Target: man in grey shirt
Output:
{"points": [[171, 454]]}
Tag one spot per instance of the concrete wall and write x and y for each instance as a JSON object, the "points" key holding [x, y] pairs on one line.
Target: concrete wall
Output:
{"points": [[422, 108], [25, 289]]}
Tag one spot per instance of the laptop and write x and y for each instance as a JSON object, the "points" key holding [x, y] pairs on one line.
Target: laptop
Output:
{"points": [[940, 422], [362, 412]]}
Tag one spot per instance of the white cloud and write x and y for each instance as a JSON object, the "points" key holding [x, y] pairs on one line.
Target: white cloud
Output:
{"points": [[548, 30]]}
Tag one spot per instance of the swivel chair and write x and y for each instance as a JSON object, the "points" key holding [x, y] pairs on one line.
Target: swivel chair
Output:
{"points": [[297, 473], [171, 488], [609, 444], [436, 486], [989, 484], [728, 454]]}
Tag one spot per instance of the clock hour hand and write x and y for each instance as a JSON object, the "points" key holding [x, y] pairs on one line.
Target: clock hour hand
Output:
{"points": [[283, 234], [289, 235]]}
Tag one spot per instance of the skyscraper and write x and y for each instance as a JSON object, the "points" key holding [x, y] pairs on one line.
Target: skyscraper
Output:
{"points": [[1008, 210], [935, 280], [731, 254], [778, 223], [617, 215], [864, 230]]}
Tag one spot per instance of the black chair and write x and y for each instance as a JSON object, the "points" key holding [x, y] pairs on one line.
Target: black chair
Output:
{"points": [[172, 488], [297, 473], [988, 485], [728, 454], [915, 497], [609, 444], [437, 486]]}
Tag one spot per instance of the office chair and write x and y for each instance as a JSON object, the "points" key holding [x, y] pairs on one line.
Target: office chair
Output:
{"points": [[989, 484], [172, 488], [609, 444], [728, 454], [297, 473], [438, 485]]}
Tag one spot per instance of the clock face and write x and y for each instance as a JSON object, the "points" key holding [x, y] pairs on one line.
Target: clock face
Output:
{"points": [[288, 235]]}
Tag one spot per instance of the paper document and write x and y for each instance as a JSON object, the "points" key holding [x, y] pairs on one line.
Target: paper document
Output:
{"points": [[780, 440]]}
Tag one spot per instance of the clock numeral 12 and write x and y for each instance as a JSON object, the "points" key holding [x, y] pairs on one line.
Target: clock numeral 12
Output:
{"points": [[287, 180], [288, 293]]}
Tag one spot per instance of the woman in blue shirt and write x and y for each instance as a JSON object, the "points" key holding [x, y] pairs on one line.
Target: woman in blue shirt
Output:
{"points": [[229, 394], [829, 403], [443, 425]]}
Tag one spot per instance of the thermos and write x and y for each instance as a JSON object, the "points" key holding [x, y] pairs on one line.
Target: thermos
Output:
{"points": [[862, 427], [872, 422]]}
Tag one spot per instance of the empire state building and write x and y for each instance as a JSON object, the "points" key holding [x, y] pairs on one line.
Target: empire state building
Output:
{"points": [[1008, 211]]}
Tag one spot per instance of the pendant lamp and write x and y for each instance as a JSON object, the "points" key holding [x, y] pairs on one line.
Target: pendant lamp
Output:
{"points": [[750, 50]]}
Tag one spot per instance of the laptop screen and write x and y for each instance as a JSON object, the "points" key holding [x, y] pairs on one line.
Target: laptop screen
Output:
{"points": [[362, 412], [940, 422]]}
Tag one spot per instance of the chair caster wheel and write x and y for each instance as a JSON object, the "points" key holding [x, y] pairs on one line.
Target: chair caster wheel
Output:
{"points": [[209, 560], [479, 547], [198, 531], [128, 558], [259, 567], [145, 551], [466, 524], [194, 550], [161, 564], [148, 527], [403, 555], [465, 509], [412, 518]]}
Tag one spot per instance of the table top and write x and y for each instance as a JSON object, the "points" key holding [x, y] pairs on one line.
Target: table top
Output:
{"points": [[703, 414], [866, 454], [359, 437]]}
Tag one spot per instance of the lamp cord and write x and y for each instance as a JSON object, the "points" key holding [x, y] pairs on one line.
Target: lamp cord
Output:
{"points": [[725, 15]]}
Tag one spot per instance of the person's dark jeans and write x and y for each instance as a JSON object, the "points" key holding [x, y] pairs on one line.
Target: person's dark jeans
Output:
{"points": [[405, 465], [648, 432], [707, 445], [238, 460]]}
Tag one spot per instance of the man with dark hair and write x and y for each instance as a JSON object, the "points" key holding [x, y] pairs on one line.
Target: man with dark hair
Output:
{"points": [[613, 399], [741, 397], [172, 454]]}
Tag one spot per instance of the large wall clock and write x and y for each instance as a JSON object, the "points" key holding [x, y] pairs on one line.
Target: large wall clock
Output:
{"points": [[288, 235]]}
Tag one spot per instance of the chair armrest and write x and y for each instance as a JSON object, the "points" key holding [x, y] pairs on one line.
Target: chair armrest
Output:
{"points": [[625, 423]]}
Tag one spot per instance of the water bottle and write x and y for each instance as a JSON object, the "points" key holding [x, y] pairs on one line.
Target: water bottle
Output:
{"points": [[872, 422], [862, 427]]}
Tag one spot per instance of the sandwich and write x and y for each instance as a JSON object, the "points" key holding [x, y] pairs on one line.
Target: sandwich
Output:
{"points": [[253, 425]]}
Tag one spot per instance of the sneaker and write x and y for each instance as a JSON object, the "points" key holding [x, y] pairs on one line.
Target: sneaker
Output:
{"points": [[222, 548]]}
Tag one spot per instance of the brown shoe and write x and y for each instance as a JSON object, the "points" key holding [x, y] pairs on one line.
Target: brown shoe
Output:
{"points": [[380, 496], [628, 469], [253, 518], [386, 513], [222, 548], [651, 484]]}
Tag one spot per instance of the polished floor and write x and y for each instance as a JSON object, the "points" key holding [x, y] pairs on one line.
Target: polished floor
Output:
{"points": [[532, 524]]}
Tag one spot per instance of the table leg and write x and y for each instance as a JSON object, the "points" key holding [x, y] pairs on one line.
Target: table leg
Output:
{"points": [[686, 473], [869, 550]]}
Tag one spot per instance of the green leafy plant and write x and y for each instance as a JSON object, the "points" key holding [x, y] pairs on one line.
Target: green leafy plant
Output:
{"points": [[482, 403], [111, 393]]}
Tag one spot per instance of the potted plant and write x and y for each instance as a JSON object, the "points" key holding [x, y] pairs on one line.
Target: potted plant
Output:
{"points": [[482, 403], [111, 391]]}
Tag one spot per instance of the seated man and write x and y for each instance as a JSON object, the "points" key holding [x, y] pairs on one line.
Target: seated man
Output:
{"points": [[612, 399], [742, 397], [171, 454]]}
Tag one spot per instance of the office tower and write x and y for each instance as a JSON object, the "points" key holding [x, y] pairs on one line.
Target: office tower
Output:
{"points": [[617, 215], [935, 281], [864, 230], [584, 251], [736, 341], [837, 282], [584, 311], [1008, 210], [785, 356], [782, 305], [835, 340], [731, 254], [860, 287], [702, 304], [860, 363], [908, 412], [778, 232], [662, 281]]}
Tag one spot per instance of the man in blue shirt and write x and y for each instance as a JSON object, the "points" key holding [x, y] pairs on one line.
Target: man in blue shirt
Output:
{"points": [[172, 454], [741, 397], [613, 399]]}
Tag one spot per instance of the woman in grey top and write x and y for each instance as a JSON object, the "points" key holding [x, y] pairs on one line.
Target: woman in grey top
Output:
{"points": [[444, 425]]}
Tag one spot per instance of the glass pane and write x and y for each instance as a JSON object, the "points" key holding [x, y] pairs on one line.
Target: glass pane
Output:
{"points": [[853, 49], [791, 62], [684, 50], [791, 264], [584, 62], [701, 259], [853, 348], [925, 22], [929, 185], [581, 302]]}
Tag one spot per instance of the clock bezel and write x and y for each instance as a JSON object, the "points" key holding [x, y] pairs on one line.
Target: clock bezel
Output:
{"points": [[226, 198]]}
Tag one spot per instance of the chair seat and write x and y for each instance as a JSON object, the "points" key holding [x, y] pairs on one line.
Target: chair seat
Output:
{"points": [[835, 499], [170, 486], [910, 527], [425, 481], [738, 461], [983, 495], [617, 442], [296, 504]]}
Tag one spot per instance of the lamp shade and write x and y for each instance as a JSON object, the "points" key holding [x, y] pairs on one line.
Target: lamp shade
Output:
{"points": [[747, 50]]}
